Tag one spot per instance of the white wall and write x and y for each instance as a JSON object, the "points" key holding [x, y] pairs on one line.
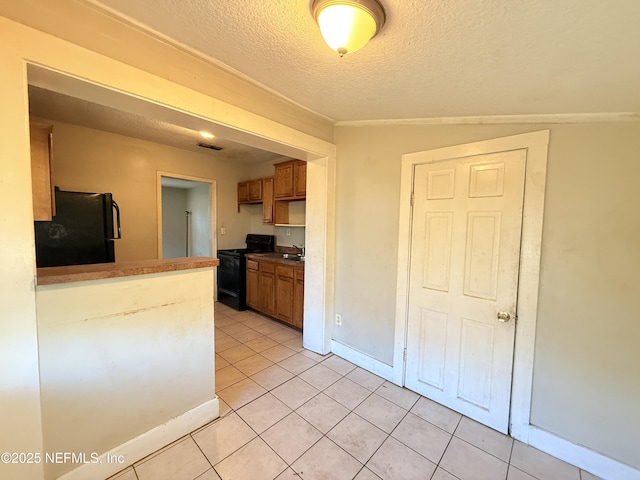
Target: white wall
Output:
{"points": [[199, 204], [586, 382], [20, 396], [20, 392], [174, 223], [121, 356]]}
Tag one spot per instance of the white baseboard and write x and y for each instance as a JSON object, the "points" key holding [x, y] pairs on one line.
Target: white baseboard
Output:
{"points": [[362, 360], [147, 443], [582, 457], [588, 460]]}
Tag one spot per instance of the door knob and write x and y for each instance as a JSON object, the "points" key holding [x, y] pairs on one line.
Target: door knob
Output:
{"points": [[504, 317]]}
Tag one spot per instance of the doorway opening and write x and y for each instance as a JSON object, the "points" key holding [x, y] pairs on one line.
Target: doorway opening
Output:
{"points": [[186, 222], [188, 112]]}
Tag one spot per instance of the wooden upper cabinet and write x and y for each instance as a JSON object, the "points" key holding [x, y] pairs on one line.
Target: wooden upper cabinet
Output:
{"points": [[290, 180], [250, 191], [300, 180], [255, 190], [283, 180], [267, 201], [41, 168], [243, 192]]}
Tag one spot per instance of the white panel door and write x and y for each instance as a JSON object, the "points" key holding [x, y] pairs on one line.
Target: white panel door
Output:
{"points": [[465, 249]]}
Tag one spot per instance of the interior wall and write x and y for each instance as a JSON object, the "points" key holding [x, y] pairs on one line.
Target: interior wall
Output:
{"points": [[20, 414], [585, 377], [174, 224], [93, 160], [146, 348], [199, 204], [20, 396]]}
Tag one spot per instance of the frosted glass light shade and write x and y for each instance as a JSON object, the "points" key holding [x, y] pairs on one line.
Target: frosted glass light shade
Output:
{"points": [[348, 25]]}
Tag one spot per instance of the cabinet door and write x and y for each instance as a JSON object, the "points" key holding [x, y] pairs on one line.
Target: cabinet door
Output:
{"points": [[255, 190], [267, 288], [284, 293], [300, 180], [42, 188], [267, 201], [253, 281], [298, 299], [283, 180], [243, 192]]}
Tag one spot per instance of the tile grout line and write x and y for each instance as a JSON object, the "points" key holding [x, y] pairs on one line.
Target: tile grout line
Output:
{"points": [[287, 335], [352, 410]]}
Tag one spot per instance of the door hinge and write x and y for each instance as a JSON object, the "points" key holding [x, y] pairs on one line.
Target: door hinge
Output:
{"points": [[404, 355], [412, 199]]}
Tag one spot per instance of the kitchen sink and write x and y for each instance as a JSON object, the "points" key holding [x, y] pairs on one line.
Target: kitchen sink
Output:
{"points": [[293, 256]]}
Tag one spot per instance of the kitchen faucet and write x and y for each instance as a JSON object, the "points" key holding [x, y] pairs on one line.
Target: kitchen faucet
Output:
{"points": [[301, 253]]}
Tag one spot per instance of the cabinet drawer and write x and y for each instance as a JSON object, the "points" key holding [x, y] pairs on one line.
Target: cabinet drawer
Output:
{"points": [[284, 271], [252, 265], [267, 267]]}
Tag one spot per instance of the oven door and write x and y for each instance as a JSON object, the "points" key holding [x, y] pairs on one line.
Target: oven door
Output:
{"points": [[232, 280]]}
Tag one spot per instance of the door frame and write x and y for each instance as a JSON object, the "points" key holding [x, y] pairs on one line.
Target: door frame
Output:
{"points": [[536, 144]]}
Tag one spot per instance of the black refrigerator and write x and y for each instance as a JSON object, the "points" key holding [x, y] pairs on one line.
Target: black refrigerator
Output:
{"points": [[82, 231]]}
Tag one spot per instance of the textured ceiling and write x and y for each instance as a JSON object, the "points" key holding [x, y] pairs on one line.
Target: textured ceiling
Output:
{"points": [[51, 105], [433, 58]]}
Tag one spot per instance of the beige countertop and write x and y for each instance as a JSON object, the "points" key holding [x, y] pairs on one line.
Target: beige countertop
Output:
{"points": [[276, 257], [97, 271]]}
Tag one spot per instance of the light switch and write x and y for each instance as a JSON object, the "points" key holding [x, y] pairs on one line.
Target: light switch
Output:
{"points": [[223, 230]]}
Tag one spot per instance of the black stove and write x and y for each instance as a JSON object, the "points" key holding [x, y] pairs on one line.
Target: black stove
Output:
{"points": [[232, 271]]}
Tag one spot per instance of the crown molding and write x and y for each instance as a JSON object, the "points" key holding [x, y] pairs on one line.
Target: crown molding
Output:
{"points": [[552, 118]]}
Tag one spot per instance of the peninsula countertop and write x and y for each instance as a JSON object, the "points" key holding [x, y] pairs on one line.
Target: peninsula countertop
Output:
{"points": [[97, 271]]}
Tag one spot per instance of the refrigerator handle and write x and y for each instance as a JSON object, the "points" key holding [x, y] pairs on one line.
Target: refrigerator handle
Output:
{"points": [[117, 209]]}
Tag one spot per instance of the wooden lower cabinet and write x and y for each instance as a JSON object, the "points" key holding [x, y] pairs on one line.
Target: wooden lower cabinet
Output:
{"points": [[276, 290], [298, 298], [284, 293], [253, 279], [266, 287]]}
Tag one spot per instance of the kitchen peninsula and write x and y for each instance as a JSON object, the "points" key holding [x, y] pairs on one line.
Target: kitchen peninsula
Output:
{"points": [[126, 357]]}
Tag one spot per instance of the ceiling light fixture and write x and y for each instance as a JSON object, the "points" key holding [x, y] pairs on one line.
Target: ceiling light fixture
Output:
{"points": [[206, 134], [347, 25]]}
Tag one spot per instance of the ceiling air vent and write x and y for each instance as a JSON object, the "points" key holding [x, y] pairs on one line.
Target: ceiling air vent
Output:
{"points": [[211, 147]]}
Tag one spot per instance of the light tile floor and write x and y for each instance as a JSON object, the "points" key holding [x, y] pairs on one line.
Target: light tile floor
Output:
{"points": [[289, 413]]}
